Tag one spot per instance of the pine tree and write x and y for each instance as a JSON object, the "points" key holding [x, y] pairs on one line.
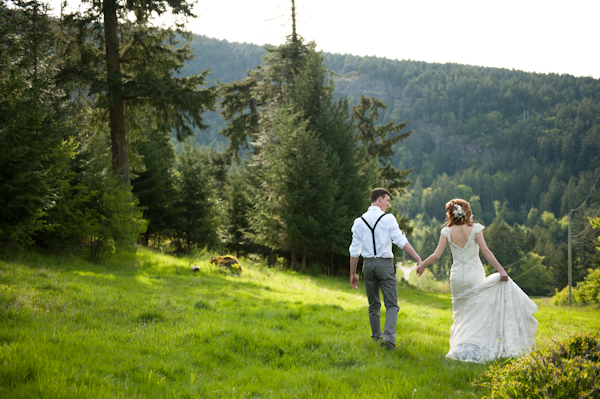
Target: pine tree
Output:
{"points": [[34, 136], [237, 205], [154, 187], [308, 175], [296, 198], [195, 216], [380, 141], [126, 66], [242, 100]]}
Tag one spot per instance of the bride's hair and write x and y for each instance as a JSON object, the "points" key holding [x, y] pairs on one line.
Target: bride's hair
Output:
{"points": [[458, 211]]}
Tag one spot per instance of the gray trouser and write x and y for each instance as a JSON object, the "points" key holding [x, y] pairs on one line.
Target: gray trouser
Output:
{"points": [[380, 273]]}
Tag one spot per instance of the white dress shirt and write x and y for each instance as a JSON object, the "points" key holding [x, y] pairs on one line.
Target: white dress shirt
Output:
{"points": [[386, 232]]}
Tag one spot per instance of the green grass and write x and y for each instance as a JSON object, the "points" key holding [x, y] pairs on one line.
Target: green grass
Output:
{"points": [[143, 325]]}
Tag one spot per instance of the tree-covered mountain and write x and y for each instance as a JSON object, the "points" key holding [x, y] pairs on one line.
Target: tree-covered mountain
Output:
{"points": [[510, 135], [227, 62]]}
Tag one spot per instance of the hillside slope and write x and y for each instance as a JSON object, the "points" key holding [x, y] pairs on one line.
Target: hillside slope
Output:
{"points": [[145, 325]]}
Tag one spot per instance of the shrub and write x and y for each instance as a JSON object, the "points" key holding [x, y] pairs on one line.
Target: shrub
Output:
{"points": [[589, 291], [228, 262], [562, 297], [568, 369], [586, 293]]}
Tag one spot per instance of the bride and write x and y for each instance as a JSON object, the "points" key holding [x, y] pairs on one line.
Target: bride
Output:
{"points": [[492, 315]]}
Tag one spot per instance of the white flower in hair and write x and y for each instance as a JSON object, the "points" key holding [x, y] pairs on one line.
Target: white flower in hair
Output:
{"points": [[458, 212]]}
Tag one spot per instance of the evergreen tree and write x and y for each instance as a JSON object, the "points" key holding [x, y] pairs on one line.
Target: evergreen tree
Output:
{"points": [[195, 216], [309, 176], [380, 141], [237, 205], [296, 197], [126, 66], [154, 187], [34, 136], [301, 138], [242, 100], [90, 205]]}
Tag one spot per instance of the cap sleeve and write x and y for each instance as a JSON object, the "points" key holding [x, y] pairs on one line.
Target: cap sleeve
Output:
{"points": [[477, 228], [446, 232]]}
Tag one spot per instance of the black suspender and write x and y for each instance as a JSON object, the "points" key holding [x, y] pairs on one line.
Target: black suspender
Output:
{"points": [[373, 231]]}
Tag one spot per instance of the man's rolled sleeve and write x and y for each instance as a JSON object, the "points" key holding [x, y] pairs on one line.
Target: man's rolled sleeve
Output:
{"points": [[356, 244], [397, 235]]}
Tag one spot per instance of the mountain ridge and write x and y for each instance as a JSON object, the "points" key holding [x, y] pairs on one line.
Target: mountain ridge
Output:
{"points": [[495, 120]]}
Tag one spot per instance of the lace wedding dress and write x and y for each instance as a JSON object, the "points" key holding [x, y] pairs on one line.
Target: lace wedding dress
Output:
{"points": [[492, 318]]}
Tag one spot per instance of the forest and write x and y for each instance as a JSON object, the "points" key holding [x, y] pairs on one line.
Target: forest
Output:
{"points": [[118, 133]]}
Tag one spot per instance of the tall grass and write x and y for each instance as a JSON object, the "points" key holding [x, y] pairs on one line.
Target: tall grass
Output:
{"points": [[143, 325]]}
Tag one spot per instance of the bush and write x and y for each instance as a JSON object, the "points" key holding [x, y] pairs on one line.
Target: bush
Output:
{"points": [[228, 262], [562, 297], [586, 293], [568, 369], [589, 291]]}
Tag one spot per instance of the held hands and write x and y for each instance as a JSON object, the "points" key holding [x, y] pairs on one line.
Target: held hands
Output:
{"points": [[354, 281], [420, 269]]}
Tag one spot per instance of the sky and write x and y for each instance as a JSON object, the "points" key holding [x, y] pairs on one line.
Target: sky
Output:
{"points": [[530, 35]]}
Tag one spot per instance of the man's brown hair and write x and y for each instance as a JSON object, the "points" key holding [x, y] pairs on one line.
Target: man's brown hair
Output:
{"points": [[378, 192]]}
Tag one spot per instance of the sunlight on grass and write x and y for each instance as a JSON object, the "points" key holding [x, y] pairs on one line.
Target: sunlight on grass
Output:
{"points": [[92, 274], [144, 324]]}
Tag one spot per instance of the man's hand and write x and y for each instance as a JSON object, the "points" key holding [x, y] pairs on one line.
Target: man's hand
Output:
{"points": [[354, 281], [353, 276]]}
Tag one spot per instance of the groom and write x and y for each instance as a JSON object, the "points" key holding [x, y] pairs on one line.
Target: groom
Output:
{"points": [[372, 237]]}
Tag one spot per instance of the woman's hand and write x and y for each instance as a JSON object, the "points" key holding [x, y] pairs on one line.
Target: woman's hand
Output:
{"points": [[503, 276]]}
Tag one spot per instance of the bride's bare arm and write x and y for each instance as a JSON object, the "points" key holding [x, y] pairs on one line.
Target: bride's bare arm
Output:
{"points": [[434, 256], [490, 256]]}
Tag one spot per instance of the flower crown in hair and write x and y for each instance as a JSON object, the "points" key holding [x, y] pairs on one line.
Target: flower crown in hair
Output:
{"points": [[458, 212]]}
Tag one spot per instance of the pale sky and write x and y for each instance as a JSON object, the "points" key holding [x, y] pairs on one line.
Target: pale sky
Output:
{"points": [[530, 35]]}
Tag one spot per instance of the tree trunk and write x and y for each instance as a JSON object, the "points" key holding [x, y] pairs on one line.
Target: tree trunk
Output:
{"points": [[294, 35], [253, 108], [189, 242], [120, 162], [293, 259], [332, 264], [145, 238], [304, 260]]}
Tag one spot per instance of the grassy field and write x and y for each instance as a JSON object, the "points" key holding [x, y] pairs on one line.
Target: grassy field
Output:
{"points": [[143, 325]]}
